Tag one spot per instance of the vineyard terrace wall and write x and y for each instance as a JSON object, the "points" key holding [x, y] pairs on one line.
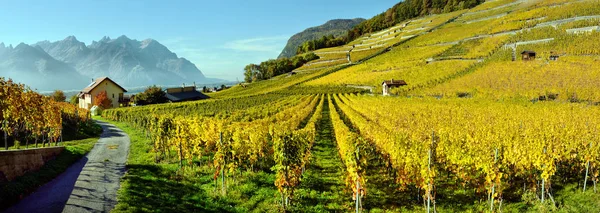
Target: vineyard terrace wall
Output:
{"points": [[16, 163]]}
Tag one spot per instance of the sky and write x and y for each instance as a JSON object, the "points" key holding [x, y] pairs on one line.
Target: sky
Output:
{"points": [[219, 36]]}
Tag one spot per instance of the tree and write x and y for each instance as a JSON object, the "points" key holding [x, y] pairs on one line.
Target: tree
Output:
{"points": [[310, 56], [152, 95], [251, 73], [58, 96], [273, 67], [102, 100], [426, 6], [74, 100]]}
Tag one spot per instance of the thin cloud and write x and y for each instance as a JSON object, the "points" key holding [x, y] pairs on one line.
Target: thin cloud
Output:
{"points": [[226, 60], [262, 44]]}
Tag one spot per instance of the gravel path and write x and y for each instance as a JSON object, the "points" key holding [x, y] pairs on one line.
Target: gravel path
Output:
{"points": [[89, 185]]}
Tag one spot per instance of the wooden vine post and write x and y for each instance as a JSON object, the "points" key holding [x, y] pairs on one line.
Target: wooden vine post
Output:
{"points": [[587, 169], [429, 186], [358, 187], [543, 181], [180, 151], [493, 183], [222, 166]]}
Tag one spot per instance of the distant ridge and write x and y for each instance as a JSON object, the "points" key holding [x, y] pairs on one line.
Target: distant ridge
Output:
{"points": [[336, 27]]}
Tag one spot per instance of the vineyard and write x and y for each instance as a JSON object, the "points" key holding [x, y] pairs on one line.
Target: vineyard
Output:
{"points": [[573, 79], [497, 151], [281, 140], [476, 128], [484, 144], [27, 116]]}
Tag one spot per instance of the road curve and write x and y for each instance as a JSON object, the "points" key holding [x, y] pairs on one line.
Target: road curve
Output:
{"points": [[89, 185]]}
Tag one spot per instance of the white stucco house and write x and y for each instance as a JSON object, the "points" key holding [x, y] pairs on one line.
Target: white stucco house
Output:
{"points": [[113, 91]]}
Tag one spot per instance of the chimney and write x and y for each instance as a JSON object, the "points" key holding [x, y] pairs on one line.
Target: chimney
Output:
{"points": [[194, 84], [92, 80]]}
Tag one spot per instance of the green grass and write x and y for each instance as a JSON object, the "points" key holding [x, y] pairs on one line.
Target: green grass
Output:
{"points": [[17, 189], [71, 132], [322, 188]]}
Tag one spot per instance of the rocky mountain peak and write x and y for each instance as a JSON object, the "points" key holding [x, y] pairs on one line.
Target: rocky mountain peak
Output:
{"points": [[147, 42], [122, 38], [128, 61], [71, 39], [22, 46], [105, 39]]}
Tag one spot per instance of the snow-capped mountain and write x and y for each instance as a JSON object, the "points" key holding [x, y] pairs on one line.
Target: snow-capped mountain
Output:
{"points": [[127, 61], [38, 70]]}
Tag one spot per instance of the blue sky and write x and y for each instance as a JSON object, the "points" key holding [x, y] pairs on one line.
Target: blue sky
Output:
{"points": [[219, 36]]}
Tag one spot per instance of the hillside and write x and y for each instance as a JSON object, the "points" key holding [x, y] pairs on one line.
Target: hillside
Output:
{"points": [[481, 44], [434, 52], [400, 12], [336, 27], [71, 63]]}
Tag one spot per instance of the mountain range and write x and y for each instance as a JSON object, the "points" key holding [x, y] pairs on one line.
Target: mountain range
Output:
{"points": [[335, 27], [71, 64]]}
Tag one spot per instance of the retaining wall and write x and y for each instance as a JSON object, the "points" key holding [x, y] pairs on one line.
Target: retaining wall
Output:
{"points": [[16, 163]]}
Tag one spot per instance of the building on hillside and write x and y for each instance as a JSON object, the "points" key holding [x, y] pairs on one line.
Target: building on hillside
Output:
{"points": [[554, 56], [387, 85], [528, 55], [180, 94], [113, 91]]}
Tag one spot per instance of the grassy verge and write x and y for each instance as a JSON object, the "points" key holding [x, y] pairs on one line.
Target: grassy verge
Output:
{"points": [[17, 189], [164, 187], [322, 188]]}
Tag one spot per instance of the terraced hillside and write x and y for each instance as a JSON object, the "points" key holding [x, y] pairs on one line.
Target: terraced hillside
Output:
{"points": [[374, 43], [494, 31]]}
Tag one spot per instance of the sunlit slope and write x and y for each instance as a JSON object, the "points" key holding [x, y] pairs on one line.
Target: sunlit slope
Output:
{"points": [[278, 83], [375, 43], [465, 45], [574, 76], [410, 63]]}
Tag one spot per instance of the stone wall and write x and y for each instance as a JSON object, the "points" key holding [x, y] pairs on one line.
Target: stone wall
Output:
{"points": [[16, 163]]}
